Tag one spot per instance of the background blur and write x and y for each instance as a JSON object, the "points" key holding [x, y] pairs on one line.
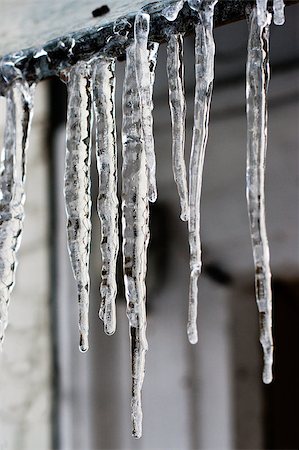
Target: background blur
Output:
{"points": [[208, 396]]}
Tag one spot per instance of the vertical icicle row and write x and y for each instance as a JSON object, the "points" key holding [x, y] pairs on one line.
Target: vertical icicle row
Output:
{"points": [[144, 83], [204, 75], [19, 112], [107, 203], [135, 220], [256, 91], [278, 12], [77, 187], [177, 103]]}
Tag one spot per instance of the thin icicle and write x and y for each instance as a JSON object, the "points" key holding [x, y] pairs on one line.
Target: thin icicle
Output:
{"points": [[204, 74], [256, 91], [135, 220], [77, 186], [278, 12], [144, 82], [19, 112], [107, 204], [177, 103]]}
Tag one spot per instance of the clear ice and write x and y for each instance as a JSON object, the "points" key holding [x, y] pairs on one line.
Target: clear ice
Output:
{"points": [[144, 83], [278, 12], [77, 186], [204, 76], [103, 80], [135, 222], [177, 103], [257, 79], [19, 112], [171, 12]]}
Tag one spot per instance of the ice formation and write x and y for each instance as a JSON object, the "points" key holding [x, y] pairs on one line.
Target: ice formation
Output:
{"points": [[204, 76], [262, 13], [77, 186], [103, 80], [177, 104], [19, 111], [144, 83], [91, 88], [256, 92], [135, 220]]}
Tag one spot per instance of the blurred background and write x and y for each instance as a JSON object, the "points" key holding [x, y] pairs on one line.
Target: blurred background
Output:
{"points": [[207, 396]]}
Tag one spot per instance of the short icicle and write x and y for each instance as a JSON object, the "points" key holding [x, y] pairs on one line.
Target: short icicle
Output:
{"points": [[256, 91], [144, 83], [19, 112], [204, 76], [107, 204], [177, 103], [261, 8], [77, 186], [278, 12], [135, 220]]}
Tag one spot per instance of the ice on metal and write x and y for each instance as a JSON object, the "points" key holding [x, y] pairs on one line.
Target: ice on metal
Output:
{"points": [[19, 112], [144, 83], [77, 186], [204, 76], [135, 223], [256, 90], [177, 103], [103, 76]]}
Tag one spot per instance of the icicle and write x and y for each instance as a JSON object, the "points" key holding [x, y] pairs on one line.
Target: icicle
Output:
{"points": [[261, 6], [172, 11], [204, 74], [177, 103], [107, 204], [135, 222], [19, 112], [144, 82], [278, 12], [77, 186], [256, 91]]}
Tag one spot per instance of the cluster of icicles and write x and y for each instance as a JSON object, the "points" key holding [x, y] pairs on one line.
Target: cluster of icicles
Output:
{"points": [[91, 92]]}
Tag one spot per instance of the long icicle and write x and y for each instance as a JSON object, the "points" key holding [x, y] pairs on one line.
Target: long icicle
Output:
{"points": [[107, 203], [144, 83], [77, 187], [177, 103], [204, 75], [135, 220], [256, 91], [19, 112]]}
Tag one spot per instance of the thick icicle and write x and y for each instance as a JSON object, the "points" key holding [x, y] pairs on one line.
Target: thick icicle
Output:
{"points": [[278, 12], [107, 204], [77, 186], [256, 91], [177, 103], [171, 12], [204, 74], [135, 220], [19, 111], [261, 6], [144, 82]]}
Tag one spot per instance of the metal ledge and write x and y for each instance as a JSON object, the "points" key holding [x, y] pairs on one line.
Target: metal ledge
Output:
{"points": [[111, 40]]}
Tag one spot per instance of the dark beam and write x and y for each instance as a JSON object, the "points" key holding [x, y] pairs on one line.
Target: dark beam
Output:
{"points": [[59, 54]]}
